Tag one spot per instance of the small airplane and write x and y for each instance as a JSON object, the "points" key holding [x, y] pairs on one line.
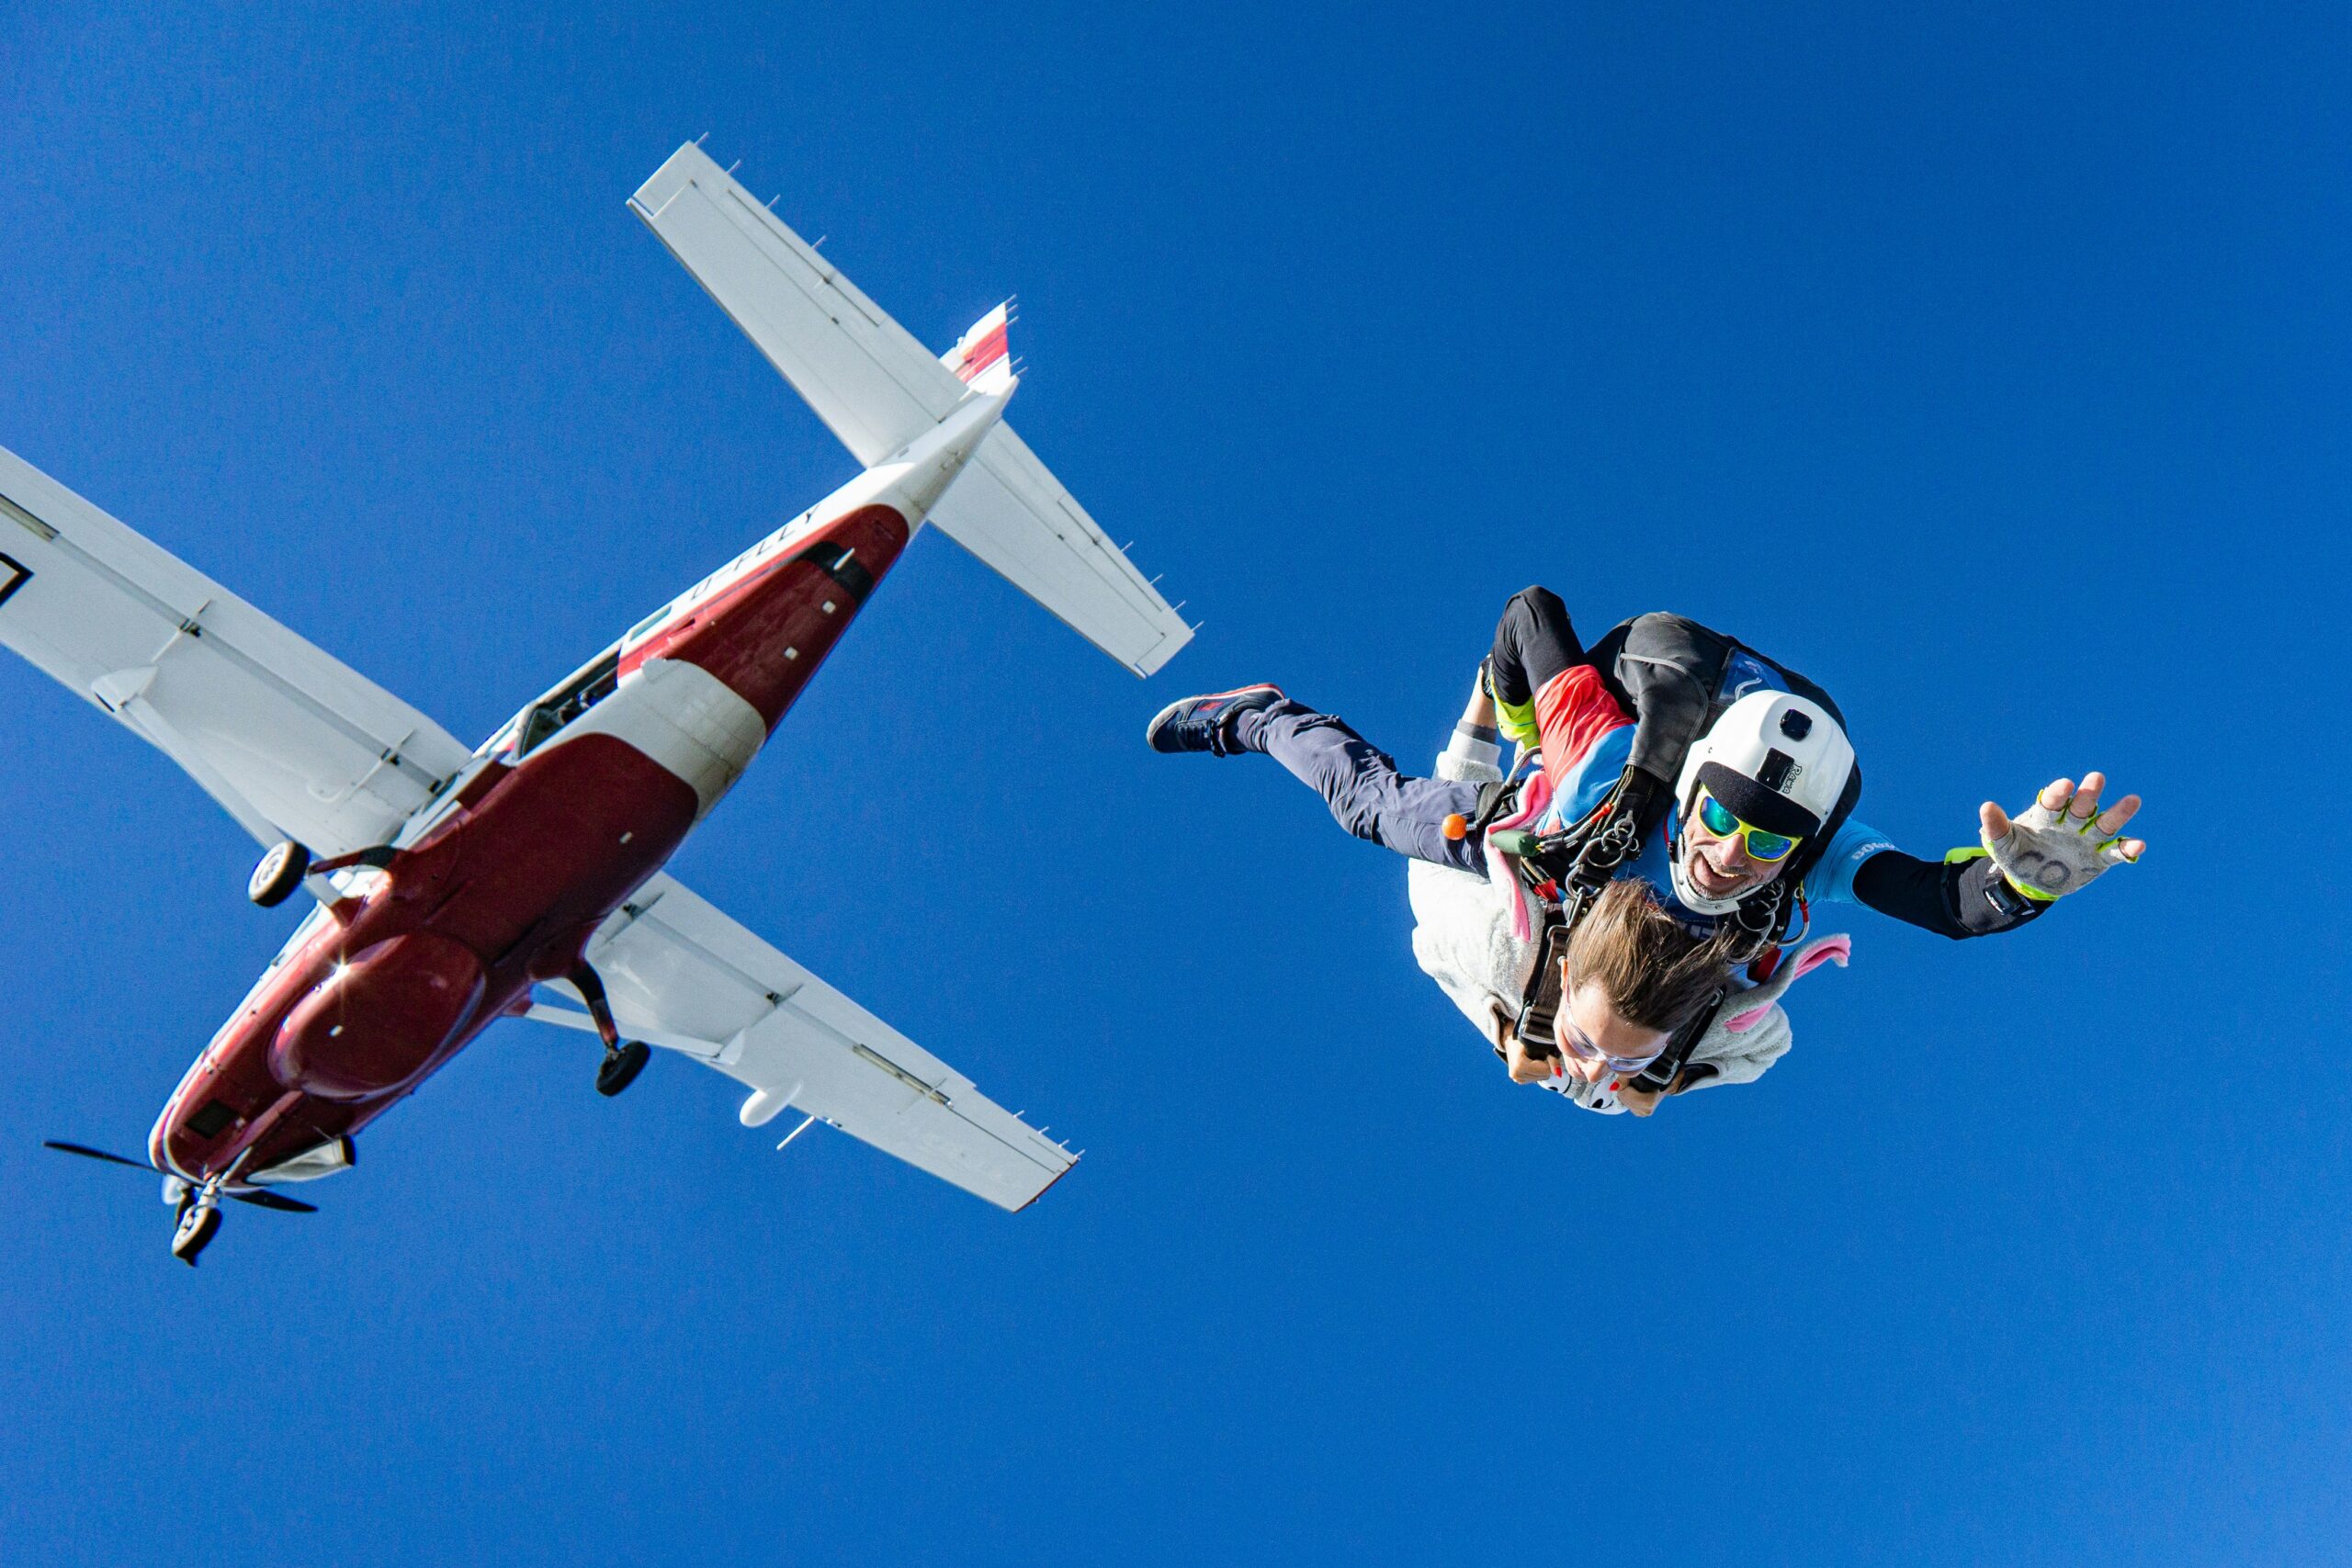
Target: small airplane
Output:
{"points": [[456, 887]]}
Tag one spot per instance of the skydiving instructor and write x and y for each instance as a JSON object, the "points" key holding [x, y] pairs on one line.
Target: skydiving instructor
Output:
{"points": [[1673, 756]]}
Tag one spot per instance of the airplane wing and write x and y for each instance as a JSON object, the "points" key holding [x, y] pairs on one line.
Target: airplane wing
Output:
{"points": [[289, 740], [877, 389], [683, 976]]}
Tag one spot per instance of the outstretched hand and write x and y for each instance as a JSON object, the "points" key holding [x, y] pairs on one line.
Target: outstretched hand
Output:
{"points": [[2063, 839]]}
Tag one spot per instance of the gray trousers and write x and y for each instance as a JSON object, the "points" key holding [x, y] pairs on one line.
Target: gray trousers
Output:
{"points": [[1360, 783]]}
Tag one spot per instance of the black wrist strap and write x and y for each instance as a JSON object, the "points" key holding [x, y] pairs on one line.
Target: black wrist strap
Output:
{"points": [[1988, 904]]}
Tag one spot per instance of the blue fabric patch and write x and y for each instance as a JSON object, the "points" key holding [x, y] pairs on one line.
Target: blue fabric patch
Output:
{"points": [[1590, 782], [1746, 674], [1832, 881]]}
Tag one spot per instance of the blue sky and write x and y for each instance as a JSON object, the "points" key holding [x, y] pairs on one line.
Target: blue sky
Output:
{"points": [[1987, 365]]}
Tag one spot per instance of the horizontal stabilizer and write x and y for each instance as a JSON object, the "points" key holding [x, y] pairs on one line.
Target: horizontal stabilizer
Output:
{"points": [[878, 390], [1008, 509]]}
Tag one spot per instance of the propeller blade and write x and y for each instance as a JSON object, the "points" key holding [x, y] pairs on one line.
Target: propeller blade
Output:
{"points": [[277, 1201], [88, 1153]]}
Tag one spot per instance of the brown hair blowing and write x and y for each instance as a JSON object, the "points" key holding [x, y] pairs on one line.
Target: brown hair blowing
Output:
{"points": [[1654, 973]]}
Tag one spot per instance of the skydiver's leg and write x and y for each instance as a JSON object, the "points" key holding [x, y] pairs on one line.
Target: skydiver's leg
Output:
{"points": [[1548, 694], [1535, 643], [1361, 784]]}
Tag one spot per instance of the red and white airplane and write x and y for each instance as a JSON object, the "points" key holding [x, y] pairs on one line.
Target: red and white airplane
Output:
{"points": [[454, 886]]}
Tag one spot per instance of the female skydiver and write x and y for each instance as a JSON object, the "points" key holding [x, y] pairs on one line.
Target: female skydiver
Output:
{"points": [[1631, 976]]}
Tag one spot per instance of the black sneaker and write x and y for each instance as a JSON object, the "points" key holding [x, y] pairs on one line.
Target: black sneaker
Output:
{"points": [[1203, 724]]}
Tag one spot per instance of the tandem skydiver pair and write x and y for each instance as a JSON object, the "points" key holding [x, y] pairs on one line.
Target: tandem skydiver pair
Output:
{"points": [[1623, 909]]}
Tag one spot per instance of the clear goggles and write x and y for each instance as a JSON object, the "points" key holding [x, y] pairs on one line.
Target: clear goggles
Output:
{"points": [[1573, 1042]]}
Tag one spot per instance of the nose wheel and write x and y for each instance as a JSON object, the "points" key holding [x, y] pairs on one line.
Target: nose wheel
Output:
{"points": [[199, 1222], [623, 1060]]}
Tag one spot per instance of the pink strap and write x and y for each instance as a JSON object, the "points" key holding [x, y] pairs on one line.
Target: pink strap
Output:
{"points": [[1534, 797]]}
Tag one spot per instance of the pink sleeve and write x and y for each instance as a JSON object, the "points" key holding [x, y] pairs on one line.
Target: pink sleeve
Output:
{"points": [[1834, 949]]}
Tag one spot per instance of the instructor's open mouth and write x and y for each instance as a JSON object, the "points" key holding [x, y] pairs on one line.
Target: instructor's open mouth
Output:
{"points": [[1713, 883]]}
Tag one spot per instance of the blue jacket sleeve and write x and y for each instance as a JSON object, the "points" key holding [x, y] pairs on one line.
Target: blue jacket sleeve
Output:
{"points": [[1832, 881]]}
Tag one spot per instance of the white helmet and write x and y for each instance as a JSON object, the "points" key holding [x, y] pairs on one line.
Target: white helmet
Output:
{"points": [[1777, 761]]}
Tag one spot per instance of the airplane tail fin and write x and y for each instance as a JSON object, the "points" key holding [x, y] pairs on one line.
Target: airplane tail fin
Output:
{"points": [[879, 390], [982, 358]]}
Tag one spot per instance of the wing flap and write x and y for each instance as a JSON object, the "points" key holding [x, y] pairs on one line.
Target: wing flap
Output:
{"points": [[289, 739], [680, 973]]}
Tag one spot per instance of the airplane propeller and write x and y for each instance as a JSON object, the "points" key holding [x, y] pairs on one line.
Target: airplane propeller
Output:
{"points": [[259, 1200], [88, 1153], [263, 1199]]}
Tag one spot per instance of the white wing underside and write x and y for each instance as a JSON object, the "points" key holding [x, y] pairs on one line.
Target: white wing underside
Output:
{"points": [[681, 974], [292, 742], [877, 389]]}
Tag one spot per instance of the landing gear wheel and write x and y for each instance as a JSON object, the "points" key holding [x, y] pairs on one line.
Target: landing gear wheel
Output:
{"points": [[280, 872], [198, 1224], [621, 1067]]}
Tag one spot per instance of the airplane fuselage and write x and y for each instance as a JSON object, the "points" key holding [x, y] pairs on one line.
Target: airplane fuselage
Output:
{"points": [[499, 884]]}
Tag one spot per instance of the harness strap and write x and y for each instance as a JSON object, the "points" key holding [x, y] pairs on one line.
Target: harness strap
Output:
{"points": [[1659, 1076], [1539, 1010], [1495, 799]]}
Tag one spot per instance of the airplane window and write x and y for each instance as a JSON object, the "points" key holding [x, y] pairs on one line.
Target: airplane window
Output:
{"points": [[649, 622], [568, 701]]}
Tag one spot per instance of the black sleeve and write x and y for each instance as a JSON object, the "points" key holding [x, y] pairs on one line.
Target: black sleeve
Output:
{"points": [[1963, 899], [1534, 641]]}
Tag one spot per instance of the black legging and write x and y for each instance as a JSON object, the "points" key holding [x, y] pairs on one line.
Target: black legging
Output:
{"points": [[1534, 643]]}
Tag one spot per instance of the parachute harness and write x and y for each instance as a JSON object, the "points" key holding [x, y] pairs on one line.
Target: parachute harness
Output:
{"points": [[1567, 871]]}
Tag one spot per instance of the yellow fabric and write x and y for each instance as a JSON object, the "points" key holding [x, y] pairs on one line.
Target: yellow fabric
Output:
{"points": [[1517, 721]]}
